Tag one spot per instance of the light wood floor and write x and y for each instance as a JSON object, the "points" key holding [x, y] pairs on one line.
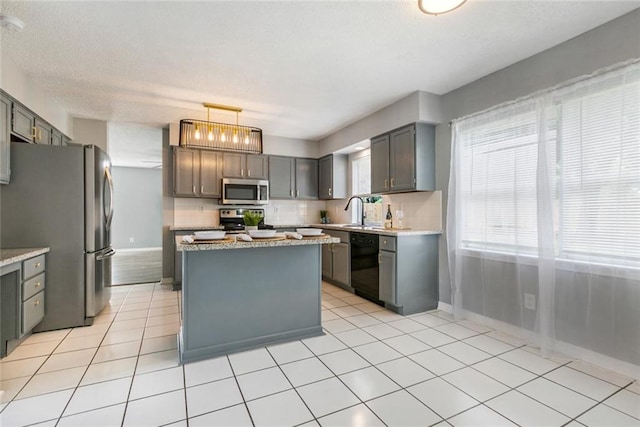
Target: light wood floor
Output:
{"points": [[136, 266]]}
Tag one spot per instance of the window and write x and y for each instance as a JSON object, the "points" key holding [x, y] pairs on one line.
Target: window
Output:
{"points": [[589, 134], [361, 168]]}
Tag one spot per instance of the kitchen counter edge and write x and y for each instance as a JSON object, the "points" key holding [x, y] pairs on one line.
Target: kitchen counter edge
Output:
{"points": [[383, 232], [254, 244], [10, 256]]}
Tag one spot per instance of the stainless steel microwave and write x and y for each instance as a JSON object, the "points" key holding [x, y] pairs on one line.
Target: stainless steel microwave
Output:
{"points": [[245, 191]]}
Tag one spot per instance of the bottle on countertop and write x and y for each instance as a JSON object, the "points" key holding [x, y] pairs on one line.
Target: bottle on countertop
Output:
{"points": [[388, 223]]}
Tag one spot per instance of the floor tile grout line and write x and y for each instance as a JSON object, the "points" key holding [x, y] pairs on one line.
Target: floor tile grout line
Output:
{"points": [[235, 378]]}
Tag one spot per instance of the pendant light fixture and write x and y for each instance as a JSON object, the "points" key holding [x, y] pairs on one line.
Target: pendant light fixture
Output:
{"points": [[220, 136], [438, 7]]}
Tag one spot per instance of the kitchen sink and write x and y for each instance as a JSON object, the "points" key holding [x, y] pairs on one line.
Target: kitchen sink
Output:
{"points": [[361, 227]]}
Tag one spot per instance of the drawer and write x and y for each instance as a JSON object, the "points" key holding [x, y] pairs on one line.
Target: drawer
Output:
{"points": [[32, 312], [32, 286], [32, 266], [387, 243], [342, 235]]}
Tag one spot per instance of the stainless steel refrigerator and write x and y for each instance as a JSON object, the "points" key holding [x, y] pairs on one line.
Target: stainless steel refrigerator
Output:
{"points": [[62, 197]]}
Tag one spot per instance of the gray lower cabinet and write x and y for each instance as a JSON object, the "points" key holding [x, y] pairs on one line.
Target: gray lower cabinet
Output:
{"points": [[336, 259], [332, 177], [404, 160], [196, 173], [5, 140], [408, 274], [293, 178], [22, 300]]}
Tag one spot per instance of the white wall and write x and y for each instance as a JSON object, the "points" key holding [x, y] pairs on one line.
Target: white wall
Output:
{"points": [[89, 131], [18, 85]]}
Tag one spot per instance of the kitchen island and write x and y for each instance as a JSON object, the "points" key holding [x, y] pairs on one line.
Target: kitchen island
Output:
{"points": [[241, 295]]}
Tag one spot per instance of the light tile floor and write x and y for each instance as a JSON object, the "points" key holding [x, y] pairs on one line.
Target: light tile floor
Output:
{"points": [[372, 368]]}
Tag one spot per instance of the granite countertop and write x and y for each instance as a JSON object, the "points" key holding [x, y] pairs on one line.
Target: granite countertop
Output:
{"points": [[256, 243], [13, 255], [219, 227], [377, 230]]}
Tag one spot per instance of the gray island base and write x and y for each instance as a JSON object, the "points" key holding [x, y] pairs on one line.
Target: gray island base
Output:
{"points": [[241, 296]]}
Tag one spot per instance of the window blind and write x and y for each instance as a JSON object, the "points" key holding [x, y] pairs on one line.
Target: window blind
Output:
{"points": [[592, 131]]}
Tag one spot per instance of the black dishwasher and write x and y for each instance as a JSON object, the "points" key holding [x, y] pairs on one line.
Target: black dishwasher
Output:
{"points": [[364, 266]]}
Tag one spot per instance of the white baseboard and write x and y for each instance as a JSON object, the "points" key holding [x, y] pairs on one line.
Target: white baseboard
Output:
{"points": [[561, 347]]}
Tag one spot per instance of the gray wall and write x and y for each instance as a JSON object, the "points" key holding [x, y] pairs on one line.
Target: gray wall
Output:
{"points": [[611, 327], [138, 207]]}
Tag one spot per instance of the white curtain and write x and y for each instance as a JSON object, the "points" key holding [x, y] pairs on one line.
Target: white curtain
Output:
{"points": [[543, 218]]}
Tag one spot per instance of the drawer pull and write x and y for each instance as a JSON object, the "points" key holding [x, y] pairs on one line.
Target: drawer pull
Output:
{"points": [[38, 265], [37, 302], [384, 242], [38, 284]]}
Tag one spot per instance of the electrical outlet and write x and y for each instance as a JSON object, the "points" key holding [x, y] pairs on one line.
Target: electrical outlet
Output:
{"points": [[130, 239], [530, 301]]}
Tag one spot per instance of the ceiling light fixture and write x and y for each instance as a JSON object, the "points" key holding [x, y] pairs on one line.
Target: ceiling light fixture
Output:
{"points": [[438, 7], [11, 23], [220, 136]]}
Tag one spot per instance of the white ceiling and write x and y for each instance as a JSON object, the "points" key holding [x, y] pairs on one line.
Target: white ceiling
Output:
{"points": [[300, 69]]}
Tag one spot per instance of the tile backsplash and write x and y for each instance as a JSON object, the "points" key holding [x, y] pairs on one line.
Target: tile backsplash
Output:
{"points": [[422, 211]]}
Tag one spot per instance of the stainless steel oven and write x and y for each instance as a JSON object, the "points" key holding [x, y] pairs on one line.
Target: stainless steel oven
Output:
{"points": [[245, 191]]}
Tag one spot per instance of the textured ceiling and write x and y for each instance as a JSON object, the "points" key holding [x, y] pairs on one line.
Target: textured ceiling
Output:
{"points": [[300, 69]]}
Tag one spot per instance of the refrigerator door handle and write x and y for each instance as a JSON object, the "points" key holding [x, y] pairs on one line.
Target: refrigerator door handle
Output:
{"points": [[106, 255], [109, 212]]}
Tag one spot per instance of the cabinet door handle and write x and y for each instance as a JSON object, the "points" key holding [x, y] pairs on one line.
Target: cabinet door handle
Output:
{"points": [[386, 183], [330, 191], [34, 132], [241, 172], [391, 182], [297, 193], [194, 189], [248, 172], [202, 188], [291, 193]]}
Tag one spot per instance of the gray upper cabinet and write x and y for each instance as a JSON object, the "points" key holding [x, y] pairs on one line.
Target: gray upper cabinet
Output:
{"points": [[23, 123], [185, 163], [239, 165], [234, 165], [196, 173], [380, 164], [293, 178], [210, 174], [282, 177], [56, 137], [257, 166], [43, 132], [404, 160], [306, 178], [332, 177], [5, 140]]}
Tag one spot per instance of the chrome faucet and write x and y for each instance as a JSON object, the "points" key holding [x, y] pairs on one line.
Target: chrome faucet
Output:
{"points": [[364, 215]]}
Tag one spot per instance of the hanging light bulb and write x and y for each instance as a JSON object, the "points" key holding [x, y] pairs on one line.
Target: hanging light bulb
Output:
{"points": [[235, 131], [209, 127], [246, 137], [197, 134], [223, 137]]}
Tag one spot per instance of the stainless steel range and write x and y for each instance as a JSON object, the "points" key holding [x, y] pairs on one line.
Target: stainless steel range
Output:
{"points": [[232, 219]]}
